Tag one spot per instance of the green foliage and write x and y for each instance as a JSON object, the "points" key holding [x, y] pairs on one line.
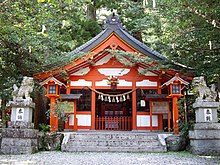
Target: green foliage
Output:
{"points": [[36, 36], [50, 142], [44, 128], [188, 30], [186, 116], [58, 111]]}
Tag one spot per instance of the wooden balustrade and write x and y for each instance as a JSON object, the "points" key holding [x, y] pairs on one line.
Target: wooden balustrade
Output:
{"points": [[122, 123]]}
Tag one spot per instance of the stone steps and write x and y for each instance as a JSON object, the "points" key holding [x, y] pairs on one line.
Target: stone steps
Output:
{"points": [[114, 149], [112, 141]]}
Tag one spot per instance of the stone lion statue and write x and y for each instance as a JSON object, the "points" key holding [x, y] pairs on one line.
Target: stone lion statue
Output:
{"points": [[203, 91], [23, 93]]}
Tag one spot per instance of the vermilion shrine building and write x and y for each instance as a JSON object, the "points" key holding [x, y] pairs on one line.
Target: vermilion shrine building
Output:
{"points": [[102, 93]]}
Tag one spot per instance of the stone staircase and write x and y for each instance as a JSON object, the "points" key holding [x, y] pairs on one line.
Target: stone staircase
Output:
{"points": [[113, 141]]}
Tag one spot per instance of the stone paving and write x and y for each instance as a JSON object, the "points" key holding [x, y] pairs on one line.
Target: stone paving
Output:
{"points": [[108, 158]]}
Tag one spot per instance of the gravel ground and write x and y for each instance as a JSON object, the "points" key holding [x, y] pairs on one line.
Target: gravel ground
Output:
{"points": [[92, 158]]}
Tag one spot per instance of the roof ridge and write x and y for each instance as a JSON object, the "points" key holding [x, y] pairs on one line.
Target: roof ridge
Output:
{"points": [[113, 20]]}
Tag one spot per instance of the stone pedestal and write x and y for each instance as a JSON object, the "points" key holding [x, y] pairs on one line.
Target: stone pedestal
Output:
{"points": [[206, 111], [20, 137], [21, 111], [19, 141], [205, 138]]}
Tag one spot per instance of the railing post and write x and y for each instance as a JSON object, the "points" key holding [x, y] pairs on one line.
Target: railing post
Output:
{"points": [[103, 123]]}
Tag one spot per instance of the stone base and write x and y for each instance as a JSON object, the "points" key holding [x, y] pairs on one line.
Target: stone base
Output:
{"points": [[205, 139], [0, 139], [201, 109], [19, 141], [20, 125]]}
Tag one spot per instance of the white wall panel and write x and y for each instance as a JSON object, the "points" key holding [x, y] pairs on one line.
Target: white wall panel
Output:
{"points": [[81, 82], [113, 71], [84, 120], [144, 120], [146, 83], [71, 119]]}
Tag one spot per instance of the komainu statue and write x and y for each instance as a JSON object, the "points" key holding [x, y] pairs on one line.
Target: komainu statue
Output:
{"points": [[23, 93], [203, 91]]}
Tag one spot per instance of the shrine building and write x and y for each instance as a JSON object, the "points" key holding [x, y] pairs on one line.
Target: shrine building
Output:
{"points": [[100, 92]]}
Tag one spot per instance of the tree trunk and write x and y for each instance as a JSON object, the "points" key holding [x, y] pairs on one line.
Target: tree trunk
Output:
{"points": [[3, 109], [91, 10], [218, 88], [41, 107]]}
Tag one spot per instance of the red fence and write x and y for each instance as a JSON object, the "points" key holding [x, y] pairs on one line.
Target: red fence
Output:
{"points": [[122, 123]]}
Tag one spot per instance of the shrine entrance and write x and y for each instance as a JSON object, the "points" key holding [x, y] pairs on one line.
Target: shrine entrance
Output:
{"points": [[114, 114]]}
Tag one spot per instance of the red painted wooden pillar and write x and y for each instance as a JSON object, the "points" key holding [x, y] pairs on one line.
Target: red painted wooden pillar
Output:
{"points": [[151, 119], [168, 116], [134, 110], [75, 119], [160, 122], [93, 107], [53, 118], [68, 90], [175, 115]]}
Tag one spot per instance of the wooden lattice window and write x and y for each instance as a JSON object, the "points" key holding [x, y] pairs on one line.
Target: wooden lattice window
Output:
{"points": [[175, 89], [52, 89]]}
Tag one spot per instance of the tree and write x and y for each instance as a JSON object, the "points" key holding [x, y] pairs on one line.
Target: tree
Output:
{"points": [[191, 33], [37, 35]]}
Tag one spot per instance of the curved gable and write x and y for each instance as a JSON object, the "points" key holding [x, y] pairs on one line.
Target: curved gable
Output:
{"points": [[114, 28]]}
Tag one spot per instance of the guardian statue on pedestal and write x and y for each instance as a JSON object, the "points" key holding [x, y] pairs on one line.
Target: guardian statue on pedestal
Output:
{"points": [[23, 93]]}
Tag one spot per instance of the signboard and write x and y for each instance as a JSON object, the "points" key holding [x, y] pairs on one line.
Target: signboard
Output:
{"points": [[68, 107], [160, 107], [19, 114], [208, 115]]}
